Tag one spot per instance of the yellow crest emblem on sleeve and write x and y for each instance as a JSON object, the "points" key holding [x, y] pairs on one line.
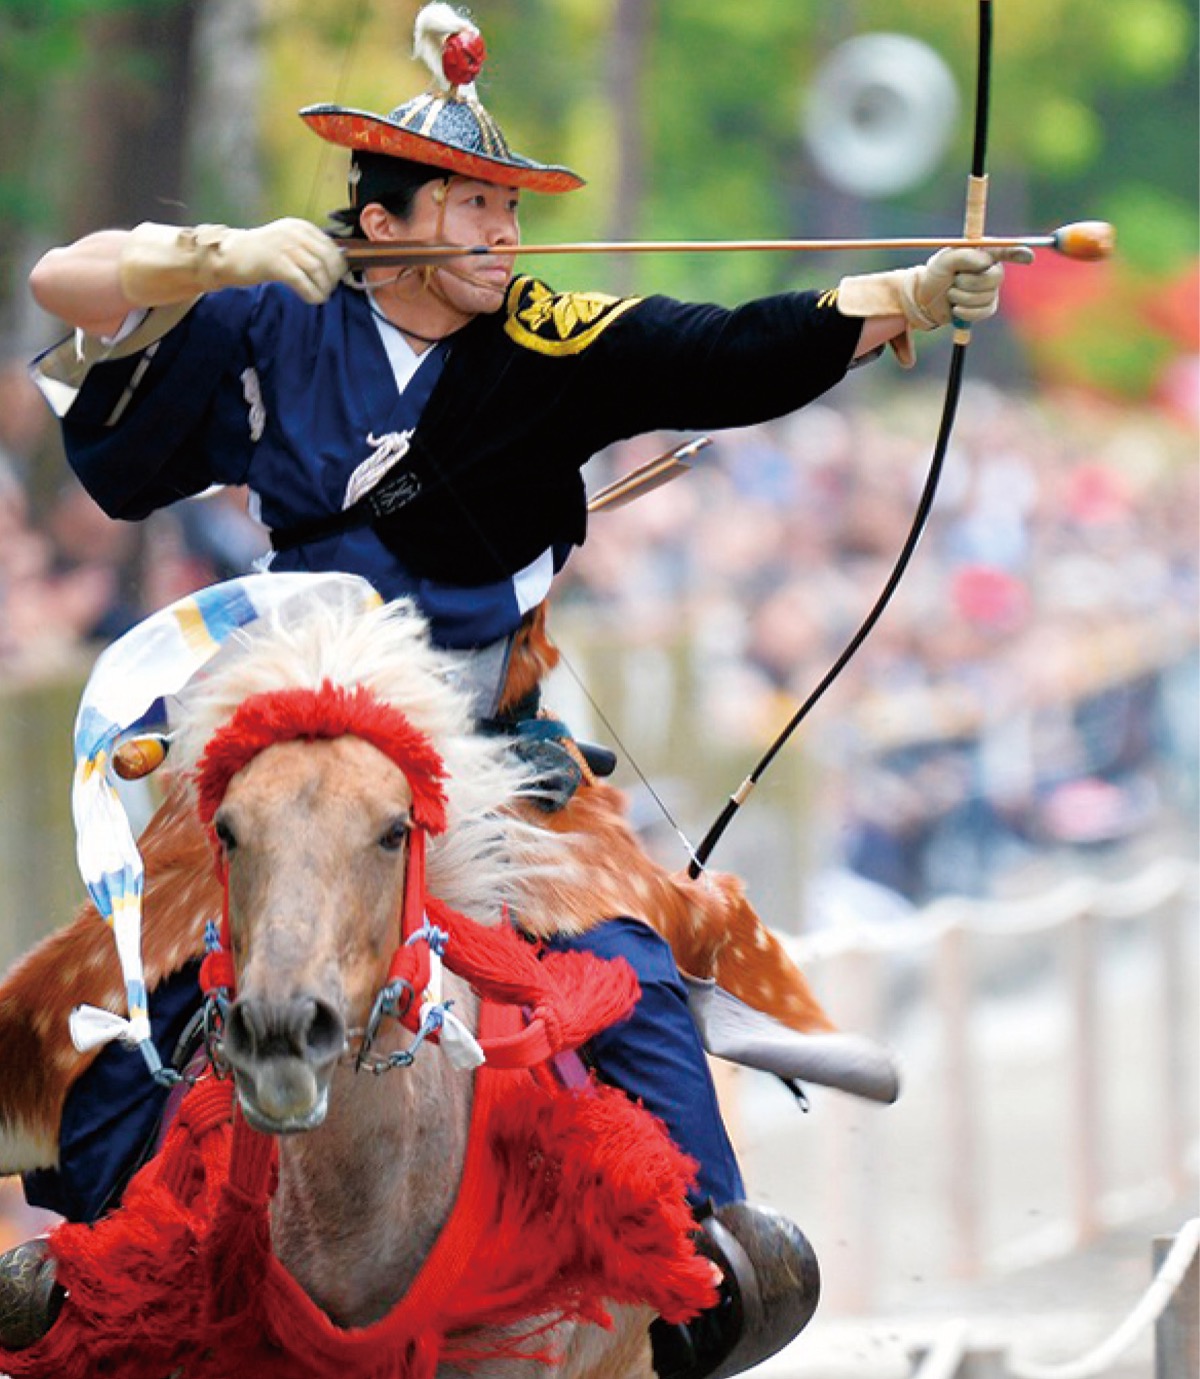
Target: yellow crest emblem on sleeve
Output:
{"points": [[559, 323]]}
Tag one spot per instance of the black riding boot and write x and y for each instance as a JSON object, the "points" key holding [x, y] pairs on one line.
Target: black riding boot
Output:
{"points": [[768, 1296], [30, 1299]]}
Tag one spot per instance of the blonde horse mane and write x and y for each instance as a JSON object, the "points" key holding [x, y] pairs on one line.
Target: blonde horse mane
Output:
{"points": [[489, 857]]}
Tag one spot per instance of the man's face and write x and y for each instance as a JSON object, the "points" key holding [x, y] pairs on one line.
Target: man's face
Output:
{"points": [[473, 213]]}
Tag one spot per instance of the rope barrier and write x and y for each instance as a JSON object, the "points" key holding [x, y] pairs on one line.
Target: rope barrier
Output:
{"points": [[944, 1357], [1152, 1305], [1160, 882]]}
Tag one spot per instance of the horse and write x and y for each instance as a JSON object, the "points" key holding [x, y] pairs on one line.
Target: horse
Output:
{"points": [[368, 846], [709, 922]]}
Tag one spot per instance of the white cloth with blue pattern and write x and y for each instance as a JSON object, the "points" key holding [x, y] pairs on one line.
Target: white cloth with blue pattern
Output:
{"points": [[131, 678]]}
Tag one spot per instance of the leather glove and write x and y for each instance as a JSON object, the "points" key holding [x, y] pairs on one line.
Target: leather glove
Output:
{"points": [[960, 285], [956, 285], [161, 264]]}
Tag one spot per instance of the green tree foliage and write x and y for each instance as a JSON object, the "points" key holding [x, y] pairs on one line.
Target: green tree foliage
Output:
{"points": [[1093, 116], [46, 49], [1086, 100]]}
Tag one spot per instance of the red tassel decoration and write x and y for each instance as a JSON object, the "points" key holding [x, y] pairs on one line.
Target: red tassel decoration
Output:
{"points": [[463, 56], [567, 1199]]}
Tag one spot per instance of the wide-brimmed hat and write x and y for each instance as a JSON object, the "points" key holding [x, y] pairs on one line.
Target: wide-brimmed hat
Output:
{"points": [[446, 127]]}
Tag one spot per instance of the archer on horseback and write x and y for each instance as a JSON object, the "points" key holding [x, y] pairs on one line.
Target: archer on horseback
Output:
{"points": [[425, 428]]}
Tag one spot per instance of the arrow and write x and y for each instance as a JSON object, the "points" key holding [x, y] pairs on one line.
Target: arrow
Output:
{"points": [[1085, 240], [649, 476]]}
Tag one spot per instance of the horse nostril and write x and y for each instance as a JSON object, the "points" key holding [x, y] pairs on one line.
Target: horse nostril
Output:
{"points": [[243, 1030], [326, 1035], [303, 1028]]}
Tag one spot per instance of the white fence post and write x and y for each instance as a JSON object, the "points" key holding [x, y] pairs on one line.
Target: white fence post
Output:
{"points": [[1086, 1119], [1174, 918], [854, 1185], [953, 983]]}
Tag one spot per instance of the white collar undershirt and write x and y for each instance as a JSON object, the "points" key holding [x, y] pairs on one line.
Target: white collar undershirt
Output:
{"points": [[403, 358]]}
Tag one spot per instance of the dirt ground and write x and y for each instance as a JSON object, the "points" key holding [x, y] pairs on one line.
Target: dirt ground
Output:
{"points": [[911, 1241], [1050, 1314]]}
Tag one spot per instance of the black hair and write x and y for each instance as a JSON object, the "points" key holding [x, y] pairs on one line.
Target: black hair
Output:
{"points": [[391, 182]]}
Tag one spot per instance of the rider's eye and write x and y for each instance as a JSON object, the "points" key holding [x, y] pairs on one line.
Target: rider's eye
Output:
{"points": [[392, 839], [224, 835]]}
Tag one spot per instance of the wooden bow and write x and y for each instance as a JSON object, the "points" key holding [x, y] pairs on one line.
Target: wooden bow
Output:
{"points": [[973, 230]]}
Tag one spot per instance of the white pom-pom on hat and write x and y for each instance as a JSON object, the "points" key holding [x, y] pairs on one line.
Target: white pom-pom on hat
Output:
{"points": [[436, 24]]}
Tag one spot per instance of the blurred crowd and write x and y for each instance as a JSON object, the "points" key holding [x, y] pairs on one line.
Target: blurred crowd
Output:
{"points": [[71, 579], [1033, 680], [1033, 684]]}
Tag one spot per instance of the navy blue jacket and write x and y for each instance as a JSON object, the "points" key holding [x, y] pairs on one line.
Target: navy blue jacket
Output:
{"points": [[254, 387]]}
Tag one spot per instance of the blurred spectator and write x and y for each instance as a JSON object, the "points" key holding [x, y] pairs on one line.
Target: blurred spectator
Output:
{"points": [[25, 422], [219, 532], [1021, 686], [91, 577]]}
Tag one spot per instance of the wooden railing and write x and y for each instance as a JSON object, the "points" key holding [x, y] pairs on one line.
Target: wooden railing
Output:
{"points": [[1051, 1071], [39, 884]]}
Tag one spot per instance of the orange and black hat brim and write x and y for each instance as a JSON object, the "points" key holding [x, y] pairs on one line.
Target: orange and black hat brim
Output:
{"points": [[362, 131]]}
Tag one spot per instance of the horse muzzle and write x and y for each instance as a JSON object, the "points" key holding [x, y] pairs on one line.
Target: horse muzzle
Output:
{"points": [[282, 1054]]}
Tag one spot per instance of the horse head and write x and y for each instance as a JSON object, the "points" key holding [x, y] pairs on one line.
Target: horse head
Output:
{"points": [[335, 765], [325, 758], [312, 841]]}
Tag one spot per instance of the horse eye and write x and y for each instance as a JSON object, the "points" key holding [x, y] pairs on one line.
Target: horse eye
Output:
{"points": [[224, 835], [392, 839]]}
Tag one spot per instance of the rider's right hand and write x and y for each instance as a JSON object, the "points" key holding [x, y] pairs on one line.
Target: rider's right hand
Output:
{"points": [[162, 264]]}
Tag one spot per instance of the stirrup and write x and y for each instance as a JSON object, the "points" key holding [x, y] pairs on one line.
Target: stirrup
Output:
{"points": [[30, 1297], [770, 1291]]}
